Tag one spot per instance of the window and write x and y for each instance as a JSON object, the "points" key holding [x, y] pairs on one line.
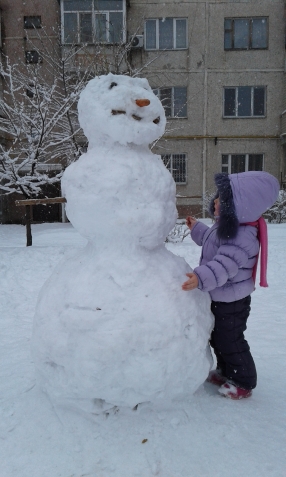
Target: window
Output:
{"points": [[244, 101], [37, 91], [32, 22], [166, 34], [176, 164], [30, 91], [234, 163], [33, 56], [92, 21], [245, 33], [174, 101]]}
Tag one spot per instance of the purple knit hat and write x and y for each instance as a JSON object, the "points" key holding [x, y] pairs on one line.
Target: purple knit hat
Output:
{"points": [[244, 197]]}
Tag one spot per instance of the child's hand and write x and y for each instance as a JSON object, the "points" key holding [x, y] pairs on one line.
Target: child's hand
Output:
{"points": [[192, 283], [190, 222]]}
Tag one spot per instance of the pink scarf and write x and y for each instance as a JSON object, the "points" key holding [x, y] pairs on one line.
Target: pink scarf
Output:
{"points": [[263, 245]]}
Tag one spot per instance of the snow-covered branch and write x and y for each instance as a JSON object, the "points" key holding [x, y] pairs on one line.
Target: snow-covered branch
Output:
{"points": [[277, 213], [38, 111]]}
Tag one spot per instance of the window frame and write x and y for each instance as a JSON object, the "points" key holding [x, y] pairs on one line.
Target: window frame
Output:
{"points": [[171, 168], [93, 13], [250, 47], [236, 116], [158, 36], [157, 92], [229, 159]]}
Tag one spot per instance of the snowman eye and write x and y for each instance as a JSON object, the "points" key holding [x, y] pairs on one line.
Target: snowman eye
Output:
{"points": [[157, 120], [112, 85]]}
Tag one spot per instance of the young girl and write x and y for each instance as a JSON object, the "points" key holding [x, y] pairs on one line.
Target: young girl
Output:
{"points": [[229, 255]]}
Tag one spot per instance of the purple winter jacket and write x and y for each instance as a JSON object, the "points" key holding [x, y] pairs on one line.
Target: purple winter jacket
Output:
{"points": [[226, 263]]}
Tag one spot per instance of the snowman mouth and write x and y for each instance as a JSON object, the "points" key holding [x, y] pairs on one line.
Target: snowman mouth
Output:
{"points": [[137, 118], [115, 112]]}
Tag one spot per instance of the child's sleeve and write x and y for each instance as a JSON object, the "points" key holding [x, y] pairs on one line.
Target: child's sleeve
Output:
{"points": [[198, 232], [230, 257]]}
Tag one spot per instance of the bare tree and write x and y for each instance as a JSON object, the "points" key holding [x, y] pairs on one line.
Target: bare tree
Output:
{"points": [[38, 120], [39, 125]]}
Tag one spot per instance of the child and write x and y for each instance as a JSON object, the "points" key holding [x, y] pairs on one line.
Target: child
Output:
{"points": [[229, 255]]}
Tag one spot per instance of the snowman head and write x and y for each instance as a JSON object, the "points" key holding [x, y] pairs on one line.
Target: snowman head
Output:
{"points": [[117, 108]]}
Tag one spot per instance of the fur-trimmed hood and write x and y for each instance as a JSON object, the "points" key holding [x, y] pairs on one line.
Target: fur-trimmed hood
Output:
{"points": [[244, 197]]}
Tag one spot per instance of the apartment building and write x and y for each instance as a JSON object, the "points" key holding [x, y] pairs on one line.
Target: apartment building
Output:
{"points": [[217, 66], [227, 58]]}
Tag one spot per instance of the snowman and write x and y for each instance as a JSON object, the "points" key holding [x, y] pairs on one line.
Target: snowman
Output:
{"points": [[112, 325]]}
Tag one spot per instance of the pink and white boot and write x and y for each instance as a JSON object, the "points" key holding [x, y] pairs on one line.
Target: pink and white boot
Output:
{"points": [[215, 377], [234, 392]]}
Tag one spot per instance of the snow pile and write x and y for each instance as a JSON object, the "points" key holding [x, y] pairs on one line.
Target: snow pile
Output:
{"points": [[112, 325], [189, 440]]}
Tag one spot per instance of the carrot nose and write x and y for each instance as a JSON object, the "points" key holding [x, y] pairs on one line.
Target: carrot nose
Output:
{"points": [[142, 102]]}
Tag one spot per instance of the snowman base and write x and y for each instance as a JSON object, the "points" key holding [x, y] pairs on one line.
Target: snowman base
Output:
{"points": [[119, 333]]}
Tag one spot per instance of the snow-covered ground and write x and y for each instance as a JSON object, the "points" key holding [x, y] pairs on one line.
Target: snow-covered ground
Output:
{"points": [[210, 436]]}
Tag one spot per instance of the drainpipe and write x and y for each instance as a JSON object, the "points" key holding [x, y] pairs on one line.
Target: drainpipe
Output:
{"points": [[204, 165]]}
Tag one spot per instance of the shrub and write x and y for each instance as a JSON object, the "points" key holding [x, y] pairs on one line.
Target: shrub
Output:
{"points": [[277, 213]]}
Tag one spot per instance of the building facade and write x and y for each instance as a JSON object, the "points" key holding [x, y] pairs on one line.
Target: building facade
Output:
{"points": [[217, 66], [22, 25]]}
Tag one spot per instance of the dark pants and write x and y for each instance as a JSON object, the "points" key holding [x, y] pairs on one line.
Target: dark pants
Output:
{"points": [[231, 349]]}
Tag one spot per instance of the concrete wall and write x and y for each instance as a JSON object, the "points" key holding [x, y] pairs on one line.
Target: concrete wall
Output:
{"points": [[13, 33]]}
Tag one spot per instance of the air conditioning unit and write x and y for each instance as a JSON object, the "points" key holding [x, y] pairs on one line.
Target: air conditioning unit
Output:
{"points": [[137, 41]]}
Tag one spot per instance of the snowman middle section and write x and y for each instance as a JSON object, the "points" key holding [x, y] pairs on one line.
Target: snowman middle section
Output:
{"points": [[121, 192]]}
